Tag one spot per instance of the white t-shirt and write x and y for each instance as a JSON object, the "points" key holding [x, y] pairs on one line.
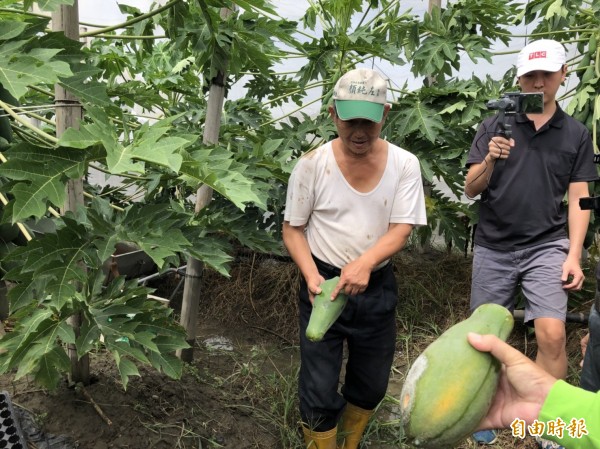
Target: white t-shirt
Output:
{"points": [[341, 222]]}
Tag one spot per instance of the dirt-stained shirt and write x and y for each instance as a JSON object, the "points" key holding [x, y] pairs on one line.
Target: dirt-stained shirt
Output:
{"points": [[341, 222]]}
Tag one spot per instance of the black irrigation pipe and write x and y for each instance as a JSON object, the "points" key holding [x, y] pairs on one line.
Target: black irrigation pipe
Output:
{"points": [[180, 270], [574, 317]]}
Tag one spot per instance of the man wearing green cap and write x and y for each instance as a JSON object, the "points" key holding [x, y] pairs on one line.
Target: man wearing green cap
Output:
{"points": [[351, 205]]}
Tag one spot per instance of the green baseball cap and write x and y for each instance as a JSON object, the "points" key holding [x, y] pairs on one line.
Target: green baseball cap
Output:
{"points": [[360, 93]]}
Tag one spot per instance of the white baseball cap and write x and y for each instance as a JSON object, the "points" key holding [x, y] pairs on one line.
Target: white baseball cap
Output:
{"points": [[544, 54], [360, 93]]}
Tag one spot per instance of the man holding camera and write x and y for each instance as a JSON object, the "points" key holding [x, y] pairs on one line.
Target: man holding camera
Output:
{"points": [[526, 236]]}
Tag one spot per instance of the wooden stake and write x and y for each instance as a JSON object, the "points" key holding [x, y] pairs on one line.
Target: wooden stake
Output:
{"points": [[66, 19]]}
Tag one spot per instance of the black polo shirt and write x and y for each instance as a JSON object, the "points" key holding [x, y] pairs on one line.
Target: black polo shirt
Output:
{"points": [[524, 204]]}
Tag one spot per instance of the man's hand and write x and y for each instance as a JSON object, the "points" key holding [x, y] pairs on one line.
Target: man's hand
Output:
{"points": [[584, 342], [354, 278], [499, 147], [314, 287], [572, 275], [522, 388]]}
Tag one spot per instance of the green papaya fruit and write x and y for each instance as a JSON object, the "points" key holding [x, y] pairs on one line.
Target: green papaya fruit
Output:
{"points": [[583, 113], [584, 63], [593, 43], [589, 122], [325, 311], [588, 75], [450, 386]]}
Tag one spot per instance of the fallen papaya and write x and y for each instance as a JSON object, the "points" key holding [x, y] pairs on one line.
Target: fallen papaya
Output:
{"points": [[450, 386], [325, 311]]}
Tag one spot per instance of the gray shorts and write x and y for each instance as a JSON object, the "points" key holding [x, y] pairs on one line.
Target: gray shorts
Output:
{"points": [[537, 271]]}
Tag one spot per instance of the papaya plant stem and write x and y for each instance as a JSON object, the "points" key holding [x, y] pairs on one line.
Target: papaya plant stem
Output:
{"points": [[32, 138], [43, 16], [114, 206], [127, 36], [290, 93], [130, 22], [595, 123], [28, 110], [26, 124], [383, 11], [122, 175], [42, 91], [292, 112], [547, 33], [25, 13]]}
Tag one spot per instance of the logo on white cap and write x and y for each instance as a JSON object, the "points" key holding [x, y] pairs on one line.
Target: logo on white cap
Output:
{"points": [[545, 54]]}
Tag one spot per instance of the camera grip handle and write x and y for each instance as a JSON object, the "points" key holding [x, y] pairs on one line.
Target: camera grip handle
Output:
{"points": [[504, 130]]}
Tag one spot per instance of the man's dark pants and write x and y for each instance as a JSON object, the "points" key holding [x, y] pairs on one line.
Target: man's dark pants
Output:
{"points": [[368, 324]]}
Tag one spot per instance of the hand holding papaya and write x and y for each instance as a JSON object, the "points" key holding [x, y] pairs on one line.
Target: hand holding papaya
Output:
{"points": [[439, 411], [325, 311], [314, 287], [522, 388], [354, 278]]}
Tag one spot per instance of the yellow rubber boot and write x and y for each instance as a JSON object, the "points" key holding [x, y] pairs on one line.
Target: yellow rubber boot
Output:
{"points": [[353, 423], [320, 440]]}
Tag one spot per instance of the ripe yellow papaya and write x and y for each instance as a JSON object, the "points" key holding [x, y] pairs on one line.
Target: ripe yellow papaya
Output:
{"points": [[450, 386], [325, 311]]}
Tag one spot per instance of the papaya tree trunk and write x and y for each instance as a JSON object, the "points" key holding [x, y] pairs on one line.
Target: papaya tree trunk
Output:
{"points": [[68, 115], [192, 288], [427, 185]]}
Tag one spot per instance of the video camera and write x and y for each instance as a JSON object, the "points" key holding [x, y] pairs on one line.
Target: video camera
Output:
{"points": [[516, 102], [531, 103], [590, 203], [513, 103]]}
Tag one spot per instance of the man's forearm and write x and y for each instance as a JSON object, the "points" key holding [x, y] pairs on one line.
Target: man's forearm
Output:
{"points": [[579, 219], [578, 224], [388, 244], [478, 177], [298, 249]]}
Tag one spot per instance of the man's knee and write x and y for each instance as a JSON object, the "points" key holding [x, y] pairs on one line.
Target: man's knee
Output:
{"points": [[551, 336]]}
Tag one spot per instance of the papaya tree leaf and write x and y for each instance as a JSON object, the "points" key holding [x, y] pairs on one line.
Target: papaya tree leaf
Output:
{"points": [[127, 369], [50, 367], [89, 335], [10, 29], [123, 346], [167, 363], [150, 144], [419, 118], [35, 68], [218, 169], [83, 85], [47, 5], [41, 175]]}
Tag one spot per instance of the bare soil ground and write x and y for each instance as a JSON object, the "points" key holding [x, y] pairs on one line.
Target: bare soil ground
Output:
{"points": [[207, 408], [239, 392]]}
